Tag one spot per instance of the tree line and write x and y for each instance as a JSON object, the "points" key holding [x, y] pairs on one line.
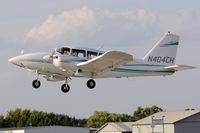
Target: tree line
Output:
{"points": [[26, 118]]}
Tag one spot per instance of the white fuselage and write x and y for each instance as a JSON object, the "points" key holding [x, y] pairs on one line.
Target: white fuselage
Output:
{"points": [[46, 66]]}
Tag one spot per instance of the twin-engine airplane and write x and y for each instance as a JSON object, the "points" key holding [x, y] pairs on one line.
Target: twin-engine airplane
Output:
{"points": [[67, 62]]}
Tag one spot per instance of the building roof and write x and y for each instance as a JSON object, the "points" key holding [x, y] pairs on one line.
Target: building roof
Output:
{"points": [[39, 127], [169, 117], [121, 126]]}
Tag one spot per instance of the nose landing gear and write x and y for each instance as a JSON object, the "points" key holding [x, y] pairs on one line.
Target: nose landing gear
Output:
{"points": [[36, 83], [65, 87]]}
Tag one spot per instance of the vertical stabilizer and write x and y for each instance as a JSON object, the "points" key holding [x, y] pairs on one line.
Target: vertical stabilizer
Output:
{"points": [[164, 52]]}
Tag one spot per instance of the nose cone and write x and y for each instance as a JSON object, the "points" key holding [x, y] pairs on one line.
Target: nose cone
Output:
{"points": [[16, 60], [13, 60]]}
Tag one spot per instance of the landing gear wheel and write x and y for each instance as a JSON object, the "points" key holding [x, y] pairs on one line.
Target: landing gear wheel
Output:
{"points": [[65, 88], [91, 84], [36, 83]]}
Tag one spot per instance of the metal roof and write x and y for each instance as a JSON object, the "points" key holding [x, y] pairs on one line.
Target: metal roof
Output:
{"points": [[169, 117], [121, 126], [39, 127]]}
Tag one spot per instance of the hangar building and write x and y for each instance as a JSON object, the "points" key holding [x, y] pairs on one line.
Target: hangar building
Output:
{"points": [[46, 129], [169, 122]]}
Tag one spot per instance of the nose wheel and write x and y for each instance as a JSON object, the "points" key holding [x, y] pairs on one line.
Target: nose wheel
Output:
{"points": [[65, 87], [91, 84], [36, 83]]}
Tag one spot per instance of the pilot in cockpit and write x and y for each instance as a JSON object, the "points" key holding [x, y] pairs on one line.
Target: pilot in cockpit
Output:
{"points": [[66, 52], [74, 53]]}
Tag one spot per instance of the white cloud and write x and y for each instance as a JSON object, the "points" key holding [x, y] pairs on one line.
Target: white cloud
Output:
{"points": [[78, 24], [126, 28], [67, 26], [100, 27], [140, 19], [133, 19]]}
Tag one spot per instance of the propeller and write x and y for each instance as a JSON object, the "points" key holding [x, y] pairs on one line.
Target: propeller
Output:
{"points": [[53, 52], [50, 57]]}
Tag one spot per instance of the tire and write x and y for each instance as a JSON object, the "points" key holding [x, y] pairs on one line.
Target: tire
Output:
{"points": [[36, 83], [91, 84], [65, 88]]}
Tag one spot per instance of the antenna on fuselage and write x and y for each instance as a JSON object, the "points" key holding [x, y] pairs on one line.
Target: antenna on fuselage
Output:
{"points": [[100, 47], [22, 52]]}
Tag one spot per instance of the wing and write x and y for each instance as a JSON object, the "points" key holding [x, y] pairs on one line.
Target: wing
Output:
{"points": [[106, 61], [179, 67]]}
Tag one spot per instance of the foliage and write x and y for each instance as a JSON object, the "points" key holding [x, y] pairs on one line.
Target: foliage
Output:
{"points": [[99, 118], [25, 118], [189, 109], [144, 112], [1, 121]]}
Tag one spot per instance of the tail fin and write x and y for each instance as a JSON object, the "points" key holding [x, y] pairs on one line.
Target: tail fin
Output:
{"points": [[164, 52]]}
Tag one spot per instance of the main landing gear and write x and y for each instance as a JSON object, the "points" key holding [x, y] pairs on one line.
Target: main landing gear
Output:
{"points": [[66, 88], [91, 84]]}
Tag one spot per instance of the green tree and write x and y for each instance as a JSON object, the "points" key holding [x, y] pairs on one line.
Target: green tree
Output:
{"points": [[13, 117], [25, 118], [126, 118], [1, 121], [144, 112], [63, 120], [82, 122], [38, 118], [99, 118]]}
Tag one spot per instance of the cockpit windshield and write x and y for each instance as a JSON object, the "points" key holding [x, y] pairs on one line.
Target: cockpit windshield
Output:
{"points": [[78, 53], [64, 50], [82, 53], [91, 54]]}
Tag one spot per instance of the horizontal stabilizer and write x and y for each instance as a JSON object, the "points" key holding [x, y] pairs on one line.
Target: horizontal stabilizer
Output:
{"points": [[179, 67], [106, 61]]}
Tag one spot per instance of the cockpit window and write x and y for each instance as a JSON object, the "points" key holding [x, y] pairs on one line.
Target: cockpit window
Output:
{"points": [[78, 53], [91, 54], [64, 50]]}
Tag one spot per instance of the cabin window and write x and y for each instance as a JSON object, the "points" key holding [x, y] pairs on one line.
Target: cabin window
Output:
{"points": [[91, 54], [100, 53], [64, 51], [78, 53]]}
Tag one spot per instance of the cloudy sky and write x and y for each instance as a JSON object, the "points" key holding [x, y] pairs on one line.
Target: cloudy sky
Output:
{"points": [[132, 26]]}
